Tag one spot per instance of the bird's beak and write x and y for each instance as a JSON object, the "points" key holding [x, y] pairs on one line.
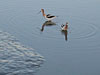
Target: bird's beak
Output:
{"points": [[39, 12]]}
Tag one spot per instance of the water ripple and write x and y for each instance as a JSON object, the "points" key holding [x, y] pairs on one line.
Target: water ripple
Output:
{"points": [[78, 29], [83, 29], [17, 59]]}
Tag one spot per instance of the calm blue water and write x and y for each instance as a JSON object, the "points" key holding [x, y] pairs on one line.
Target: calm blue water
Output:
{"points": [[78, 55]]}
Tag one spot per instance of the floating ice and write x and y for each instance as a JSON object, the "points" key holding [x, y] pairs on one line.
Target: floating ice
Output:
{"points": [[17, 59]]}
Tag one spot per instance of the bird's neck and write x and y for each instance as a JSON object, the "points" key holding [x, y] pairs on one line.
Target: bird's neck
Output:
{"points": [[66, 26], [43, 13]]}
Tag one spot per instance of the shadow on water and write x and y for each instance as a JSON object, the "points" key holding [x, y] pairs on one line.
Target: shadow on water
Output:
{"points": [[47, 23]]}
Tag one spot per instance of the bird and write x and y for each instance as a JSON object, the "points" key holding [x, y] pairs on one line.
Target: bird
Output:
{"points": [[64, 27], [49, 17]]}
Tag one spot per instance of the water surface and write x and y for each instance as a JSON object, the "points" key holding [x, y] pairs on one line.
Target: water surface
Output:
{"points": [[78, 54]]}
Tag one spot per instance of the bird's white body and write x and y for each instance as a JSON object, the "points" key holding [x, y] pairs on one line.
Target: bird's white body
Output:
{"points": [[49, 19]]}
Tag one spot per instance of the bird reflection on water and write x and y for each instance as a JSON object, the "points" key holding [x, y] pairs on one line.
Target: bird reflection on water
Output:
{"points": [[65, 32], [50, 23], [47, 23]]}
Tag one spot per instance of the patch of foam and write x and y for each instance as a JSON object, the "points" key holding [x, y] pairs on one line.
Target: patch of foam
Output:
{"points": [[17, 59]]}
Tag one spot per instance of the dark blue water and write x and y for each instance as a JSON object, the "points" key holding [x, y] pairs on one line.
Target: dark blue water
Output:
{"points": [[76, 53]]}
